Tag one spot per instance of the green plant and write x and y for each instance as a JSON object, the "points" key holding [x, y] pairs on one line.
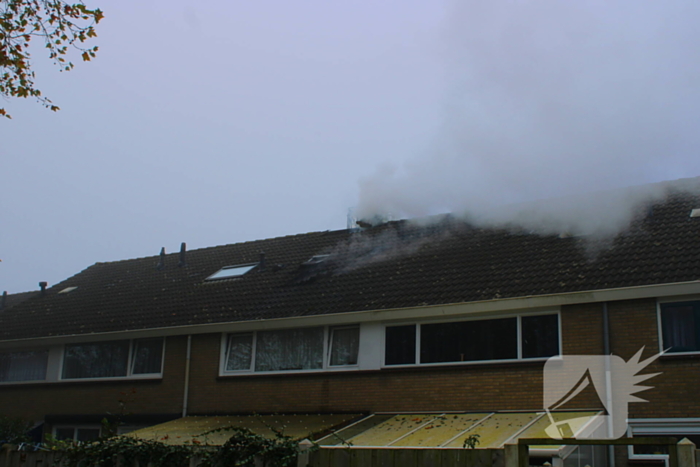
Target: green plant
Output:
{"points": [[240, 450], [122, 450], [244, 446], [471, 441], [13, 430]]}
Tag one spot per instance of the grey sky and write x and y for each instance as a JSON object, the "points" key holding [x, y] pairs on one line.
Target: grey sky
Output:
{"points": [[217, 122]]}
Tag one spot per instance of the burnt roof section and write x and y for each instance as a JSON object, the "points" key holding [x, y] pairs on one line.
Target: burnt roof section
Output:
{"points": [[395, 265]]}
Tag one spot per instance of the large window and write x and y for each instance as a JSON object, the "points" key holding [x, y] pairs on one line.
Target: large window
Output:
{"points": [[292, 349], [471, 341], [113, 359], [680, 326], [27, 365]]}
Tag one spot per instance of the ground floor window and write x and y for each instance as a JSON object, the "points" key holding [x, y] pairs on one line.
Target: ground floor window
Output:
{"points": [[473, 340], [81, 434], [677, 428]]}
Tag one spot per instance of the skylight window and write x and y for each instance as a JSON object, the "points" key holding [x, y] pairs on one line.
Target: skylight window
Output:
{"points": [[68, 289], [228, 272], [317, 259], [695, 213]]}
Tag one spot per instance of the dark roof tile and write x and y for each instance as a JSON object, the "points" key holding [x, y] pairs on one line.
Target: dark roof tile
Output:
{"points": [[394, 265]]}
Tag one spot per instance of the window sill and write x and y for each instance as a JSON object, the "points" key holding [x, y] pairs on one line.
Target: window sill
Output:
{"points": [[112, 378], [115, 379], [331, 370], [511, 361]]}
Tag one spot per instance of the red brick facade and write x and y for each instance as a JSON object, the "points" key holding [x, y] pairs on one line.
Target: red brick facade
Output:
{"points": [[487, 387]]}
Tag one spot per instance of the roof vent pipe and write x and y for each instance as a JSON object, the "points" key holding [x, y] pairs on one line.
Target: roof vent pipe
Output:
{"points": [[161, 263], [4, 300], [43, 287], [183, 250]]}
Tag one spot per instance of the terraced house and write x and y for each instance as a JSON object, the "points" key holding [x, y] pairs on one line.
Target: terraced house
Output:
{"points": [[395, 320]]}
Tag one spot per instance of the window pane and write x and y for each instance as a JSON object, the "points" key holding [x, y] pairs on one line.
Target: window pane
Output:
{"points": [[65, 433], [87, 434], [680, 327], [540, 336], [492, 339], [98, 360], [345, 343], [400, 345], [240, 351], [24, 366], [291, 349], [147, 356]]}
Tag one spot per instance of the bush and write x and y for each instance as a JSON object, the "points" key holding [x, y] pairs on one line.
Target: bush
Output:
{"points": [[14, 430]]}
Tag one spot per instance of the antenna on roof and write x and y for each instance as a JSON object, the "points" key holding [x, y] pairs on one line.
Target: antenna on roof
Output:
{"points": [[183, 250], [161, 263]]}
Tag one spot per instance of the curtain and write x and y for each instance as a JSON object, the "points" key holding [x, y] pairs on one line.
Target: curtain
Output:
{"points": [[148, 354], [240, 352], [290, 349], [24, 366], [679, 328], [97, 360], [345, 343]]}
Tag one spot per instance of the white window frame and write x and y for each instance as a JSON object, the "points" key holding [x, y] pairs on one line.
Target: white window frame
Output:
{"points": [[659, 427], [659, 327], [326, 366], [519, 357], [130, 362], [221, 275]]}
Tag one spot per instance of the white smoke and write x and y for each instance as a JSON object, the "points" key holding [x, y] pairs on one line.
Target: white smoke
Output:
{"points": [[554, 98]]}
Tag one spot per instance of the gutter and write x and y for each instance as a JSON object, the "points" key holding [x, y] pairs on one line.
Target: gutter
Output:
{"points": [[532, 302]]}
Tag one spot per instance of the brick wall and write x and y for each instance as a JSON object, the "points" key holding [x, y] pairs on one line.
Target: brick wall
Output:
{"points": [[469, 387], [35, 401], [473, 387]]}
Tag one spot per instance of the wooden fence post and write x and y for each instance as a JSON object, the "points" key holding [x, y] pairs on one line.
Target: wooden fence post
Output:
{"points": [[686, 453], [304, 450], [511, 455]]}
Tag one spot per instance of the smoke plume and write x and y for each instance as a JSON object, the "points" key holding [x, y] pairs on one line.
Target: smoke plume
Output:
{"points": [[549, 99]]}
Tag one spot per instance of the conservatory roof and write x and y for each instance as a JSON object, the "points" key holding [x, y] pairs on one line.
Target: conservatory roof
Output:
{"points": [[407, 430]]}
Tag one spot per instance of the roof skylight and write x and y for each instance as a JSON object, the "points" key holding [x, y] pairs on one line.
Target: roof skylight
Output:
{"points": [[317, 259], [695, 213], [231, 271], [68, 289]]}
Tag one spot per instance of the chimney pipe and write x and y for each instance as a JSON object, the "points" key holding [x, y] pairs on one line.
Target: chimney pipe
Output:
{"points": [[161, 263], [261, 264], [183, 250], [43, 287], [4, 300]]}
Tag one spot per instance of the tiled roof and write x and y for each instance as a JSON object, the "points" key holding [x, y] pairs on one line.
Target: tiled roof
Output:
{"points": [[11, 300], [395, 265]]}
